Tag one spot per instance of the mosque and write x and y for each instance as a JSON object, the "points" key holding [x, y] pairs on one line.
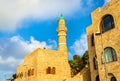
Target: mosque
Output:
{"points": [[103, 37], [45, 64]]}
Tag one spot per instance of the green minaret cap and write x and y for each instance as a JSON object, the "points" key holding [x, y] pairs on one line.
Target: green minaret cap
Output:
{"points": [[61, 17]]}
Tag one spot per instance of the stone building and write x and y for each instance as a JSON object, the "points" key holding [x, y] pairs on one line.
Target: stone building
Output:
{"points": [[50, 65], [104, 42], [45, 64]]}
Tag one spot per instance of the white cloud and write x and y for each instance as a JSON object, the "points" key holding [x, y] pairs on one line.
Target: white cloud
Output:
{"points": [[11, 61], [13, 50], [106, 1], [31, 45], [80, 46], [53, 43], [12, 12]]}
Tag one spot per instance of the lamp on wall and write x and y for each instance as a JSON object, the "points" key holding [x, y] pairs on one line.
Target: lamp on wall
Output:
{"points": [[104, 57]]}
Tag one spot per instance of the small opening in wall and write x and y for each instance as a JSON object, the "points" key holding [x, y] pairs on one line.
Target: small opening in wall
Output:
{"points": [[92, 40], [53, 70], [48, 70]]}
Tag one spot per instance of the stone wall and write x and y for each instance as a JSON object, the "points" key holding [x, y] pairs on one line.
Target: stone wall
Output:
{"points": [[50, 58], [110, 38], [40, 60], [92, 53], [84, 75]]}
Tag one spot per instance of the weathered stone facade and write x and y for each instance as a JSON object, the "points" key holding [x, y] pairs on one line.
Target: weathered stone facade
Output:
{"points": [[50, 65], [47, 65], [83, 75], [110, 38]]}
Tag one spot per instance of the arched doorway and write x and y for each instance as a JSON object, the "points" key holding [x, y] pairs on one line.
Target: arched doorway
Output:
{"points": [[113, 79], [97, 78]]}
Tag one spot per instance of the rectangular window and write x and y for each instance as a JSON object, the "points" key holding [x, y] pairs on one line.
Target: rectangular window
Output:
{"points": [[92, 40], [95, 63], [53, 70], [48, 70]]}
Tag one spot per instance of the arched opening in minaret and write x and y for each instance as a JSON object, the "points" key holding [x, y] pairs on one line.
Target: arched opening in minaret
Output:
{"points": [[97, 78]]}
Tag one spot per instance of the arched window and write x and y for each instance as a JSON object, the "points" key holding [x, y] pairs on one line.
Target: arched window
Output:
{"points": [[113, 79], [32, 72], [48, 70], [21, 75], [29, 72], [95, 63], [107, 23], [110, 54], [97, 78], [53, 70]]}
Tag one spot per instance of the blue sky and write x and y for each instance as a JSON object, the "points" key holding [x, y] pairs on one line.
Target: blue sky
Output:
{"points": [[28, 24]]}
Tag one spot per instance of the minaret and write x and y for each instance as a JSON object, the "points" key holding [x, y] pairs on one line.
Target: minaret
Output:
{"points": [[62, 32]]}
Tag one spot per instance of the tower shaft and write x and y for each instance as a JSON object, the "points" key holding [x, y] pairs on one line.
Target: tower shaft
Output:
{"points": [[62, 33]]}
